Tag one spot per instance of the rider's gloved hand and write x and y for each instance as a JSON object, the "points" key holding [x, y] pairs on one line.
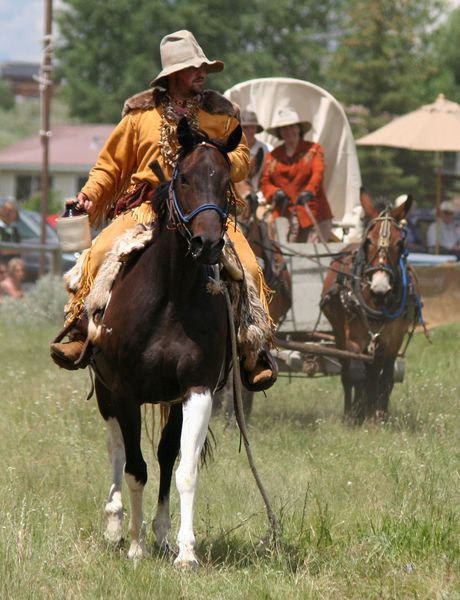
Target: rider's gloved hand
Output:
{"points": [[278, 196], [305, 197]]}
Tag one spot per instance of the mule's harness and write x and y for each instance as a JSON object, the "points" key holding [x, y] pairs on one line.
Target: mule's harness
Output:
{"points": [[363, 269], [351, 284]]}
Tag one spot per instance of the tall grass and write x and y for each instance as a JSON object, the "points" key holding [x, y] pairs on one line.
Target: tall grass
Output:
{"points": [[370, 512]]}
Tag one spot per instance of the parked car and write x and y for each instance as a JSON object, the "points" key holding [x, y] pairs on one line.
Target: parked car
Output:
{"points": [[29, 227]]}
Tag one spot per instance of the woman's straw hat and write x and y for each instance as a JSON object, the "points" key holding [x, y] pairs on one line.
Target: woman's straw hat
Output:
{"points": [[180, 50], [287, 116]]}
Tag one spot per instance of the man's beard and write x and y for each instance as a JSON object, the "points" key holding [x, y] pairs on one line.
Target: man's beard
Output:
{"points": [[197, 87]]}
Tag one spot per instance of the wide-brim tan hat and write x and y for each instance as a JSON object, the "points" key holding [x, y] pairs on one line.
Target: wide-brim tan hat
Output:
{"points": [[249, 118], [180, 50], [287, 116]]}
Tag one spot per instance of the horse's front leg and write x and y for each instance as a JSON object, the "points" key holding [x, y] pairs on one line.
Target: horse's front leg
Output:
{"points": [[196, 411], [168, 450], [385, 389], [114, 506], [372, 389]]}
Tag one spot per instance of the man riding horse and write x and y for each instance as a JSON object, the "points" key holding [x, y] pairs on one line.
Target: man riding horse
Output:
{"points": [[122, 182]]}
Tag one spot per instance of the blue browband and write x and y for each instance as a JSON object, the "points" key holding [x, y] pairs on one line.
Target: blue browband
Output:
{"points": [[223, 214]]}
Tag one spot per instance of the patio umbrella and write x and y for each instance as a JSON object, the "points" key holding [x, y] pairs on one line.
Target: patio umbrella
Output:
{"points": [[432, 128]]}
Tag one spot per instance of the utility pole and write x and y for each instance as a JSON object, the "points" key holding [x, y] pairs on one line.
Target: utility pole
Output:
{"points": [[45, 133]]}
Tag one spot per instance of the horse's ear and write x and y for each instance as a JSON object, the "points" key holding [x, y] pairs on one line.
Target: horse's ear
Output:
{"points": [[233, 139], [185, 135], [366, 202], [402, 208]]}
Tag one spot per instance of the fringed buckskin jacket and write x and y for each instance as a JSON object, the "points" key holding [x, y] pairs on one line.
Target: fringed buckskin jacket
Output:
{"points": [[123, 162]]}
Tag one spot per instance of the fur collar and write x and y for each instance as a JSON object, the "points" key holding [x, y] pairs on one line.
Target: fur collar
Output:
{"points": [[212, 102]]}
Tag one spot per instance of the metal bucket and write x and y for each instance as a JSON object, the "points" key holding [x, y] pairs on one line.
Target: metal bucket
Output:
{"points": [[74, 232]]}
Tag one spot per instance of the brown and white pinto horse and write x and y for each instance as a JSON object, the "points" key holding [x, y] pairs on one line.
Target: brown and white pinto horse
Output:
{"points": [[370, 298], [164, 340]]}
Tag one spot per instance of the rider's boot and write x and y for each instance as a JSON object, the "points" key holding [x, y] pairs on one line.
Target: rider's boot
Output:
{"points": [[263, 375], [68, 354]]}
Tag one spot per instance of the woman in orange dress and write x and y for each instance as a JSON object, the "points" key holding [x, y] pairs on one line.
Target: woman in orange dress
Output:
{"points": [[292, 180]]}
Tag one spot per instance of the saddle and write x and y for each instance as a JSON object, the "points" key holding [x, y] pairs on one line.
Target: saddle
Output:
{"points": [[248, 310]]}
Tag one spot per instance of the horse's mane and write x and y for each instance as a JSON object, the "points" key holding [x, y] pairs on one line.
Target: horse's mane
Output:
{"points": [[160, 202]]}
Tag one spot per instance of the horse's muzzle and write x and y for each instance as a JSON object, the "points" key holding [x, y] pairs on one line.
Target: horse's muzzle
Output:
{"points": [[206, 251], [380, 283]]}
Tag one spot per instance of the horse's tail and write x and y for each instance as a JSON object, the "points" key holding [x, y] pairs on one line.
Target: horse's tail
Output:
{"points": [[207, 452]]}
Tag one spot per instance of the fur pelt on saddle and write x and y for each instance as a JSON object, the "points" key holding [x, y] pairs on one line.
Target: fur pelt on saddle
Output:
{"points": [[212, 102], [254, 330]]}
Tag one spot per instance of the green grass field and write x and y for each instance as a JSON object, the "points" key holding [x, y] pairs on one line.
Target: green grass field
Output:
{"points": [[371, 512]]}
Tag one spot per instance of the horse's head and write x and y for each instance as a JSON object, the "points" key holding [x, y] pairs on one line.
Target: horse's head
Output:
{"points": [[383, 245], [199, 190]]}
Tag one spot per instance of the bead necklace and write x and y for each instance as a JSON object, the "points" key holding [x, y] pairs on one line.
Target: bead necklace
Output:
{"points": [[172, 113]]}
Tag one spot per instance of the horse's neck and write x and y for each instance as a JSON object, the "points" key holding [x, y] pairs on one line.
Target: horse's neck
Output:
{"points": [[173, 268]]}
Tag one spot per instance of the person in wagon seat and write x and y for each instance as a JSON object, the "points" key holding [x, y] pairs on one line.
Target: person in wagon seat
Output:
{"points": [[292, 179], [121, 183]]}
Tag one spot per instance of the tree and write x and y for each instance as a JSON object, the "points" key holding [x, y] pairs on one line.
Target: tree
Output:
{"points": [[108, 50], [384, 64], [7, 100], [447, 54]]}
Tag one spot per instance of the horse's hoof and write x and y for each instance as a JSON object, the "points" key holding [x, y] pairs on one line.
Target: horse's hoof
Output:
{"points": [[186, 560], [114, 534], [116, 541], [186, 564], [137, 551], [165, 549], [381, 416]]}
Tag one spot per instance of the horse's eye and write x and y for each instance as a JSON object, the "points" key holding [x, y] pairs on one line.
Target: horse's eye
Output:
{"points": [[183, 180]]}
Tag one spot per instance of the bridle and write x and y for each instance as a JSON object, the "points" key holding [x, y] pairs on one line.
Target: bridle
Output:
{"points": [[178, 219], [363, 267], [382, 252]]}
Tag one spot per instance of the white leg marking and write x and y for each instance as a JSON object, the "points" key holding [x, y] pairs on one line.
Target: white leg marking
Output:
{"points": [[380, 282], [196, 413], [136, 523], [114, 506]]}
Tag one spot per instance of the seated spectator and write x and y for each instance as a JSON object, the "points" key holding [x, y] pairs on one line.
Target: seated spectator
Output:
{"points": [[3, 274], [292, 180], [8, 231], [449, 233], [413, 238], [11, 284]]}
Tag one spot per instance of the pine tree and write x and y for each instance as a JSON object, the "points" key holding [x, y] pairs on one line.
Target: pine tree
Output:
{"points": [[382, 64]]}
